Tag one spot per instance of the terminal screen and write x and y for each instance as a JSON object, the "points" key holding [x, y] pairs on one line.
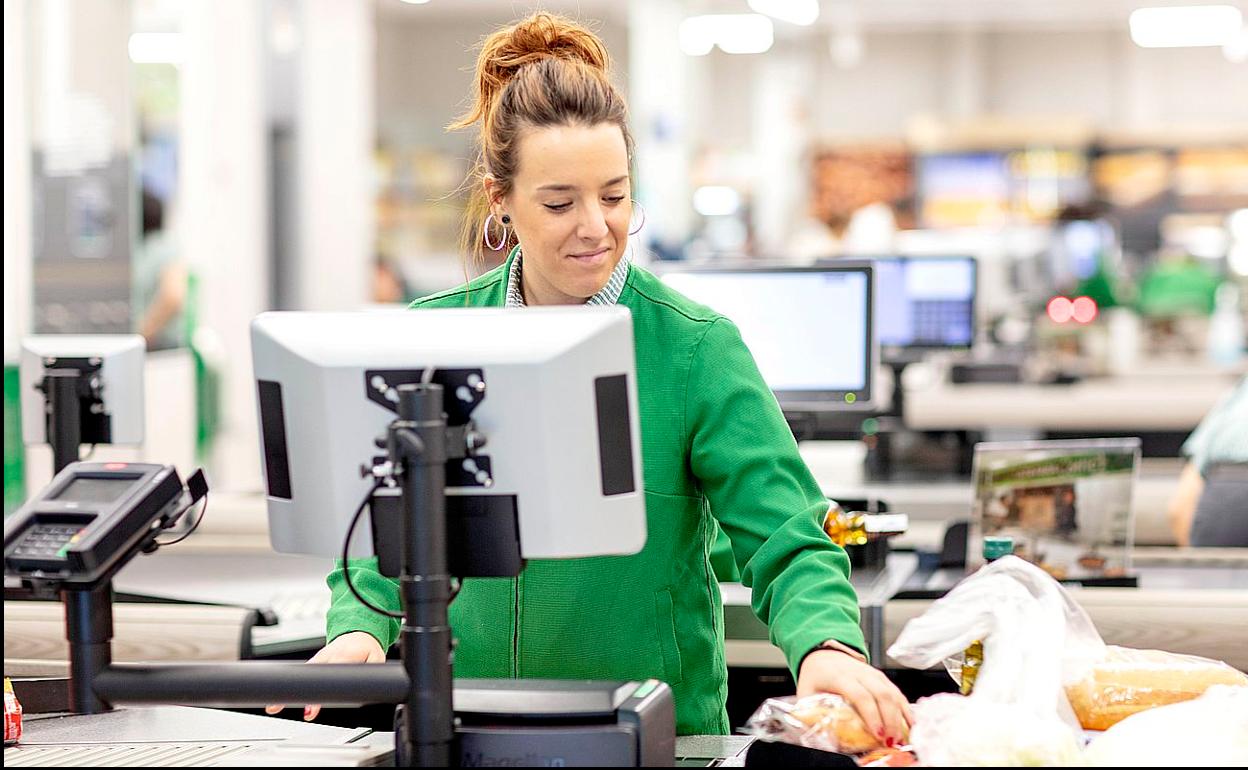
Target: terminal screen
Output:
{"points": [[807, 329], [925, 303], [87, 489]]}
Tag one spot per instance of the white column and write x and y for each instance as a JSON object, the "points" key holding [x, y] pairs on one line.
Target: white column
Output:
{"points": [[223, 209], [1137, 102], [781, 134], [17, 182], [661, 98], [966, 64], [335, 134]]}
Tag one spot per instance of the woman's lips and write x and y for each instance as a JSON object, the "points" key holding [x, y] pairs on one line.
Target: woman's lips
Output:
{"points": [[592, 257]]}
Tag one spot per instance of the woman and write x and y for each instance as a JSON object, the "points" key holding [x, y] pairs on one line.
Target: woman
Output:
{"points": [[555, 186]]}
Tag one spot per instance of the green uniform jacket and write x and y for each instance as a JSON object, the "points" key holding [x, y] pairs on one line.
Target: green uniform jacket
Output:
{"points": [[714, 443]]}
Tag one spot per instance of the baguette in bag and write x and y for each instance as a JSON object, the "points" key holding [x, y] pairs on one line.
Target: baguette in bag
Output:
{"points": [[1129, 681]]}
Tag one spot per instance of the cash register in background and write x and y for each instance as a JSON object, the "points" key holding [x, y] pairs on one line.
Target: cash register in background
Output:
{"points": [[554, 426]]}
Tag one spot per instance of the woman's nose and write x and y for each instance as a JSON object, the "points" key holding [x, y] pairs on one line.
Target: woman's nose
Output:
{"points": [[593, 224]]}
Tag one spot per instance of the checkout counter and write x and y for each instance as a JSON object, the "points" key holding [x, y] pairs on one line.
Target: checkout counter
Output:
{"points": [[202, 602]]}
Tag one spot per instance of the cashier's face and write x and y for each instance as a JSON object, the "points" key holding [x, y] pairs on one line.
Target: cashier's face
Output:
{"points": [[570, 203]]}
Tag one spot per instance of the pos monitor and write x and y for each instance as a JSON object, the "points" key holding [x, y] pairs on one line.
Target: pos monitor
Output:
{"points": [[550, 391], [809, 328], [925, 304]]}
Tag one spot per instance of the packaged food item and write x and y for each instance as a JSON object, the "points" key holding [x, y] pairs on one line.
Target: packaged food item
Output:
{"points": [[1128, 681], [821, 721], [888, 758], [1211, 730], [12, 715]]}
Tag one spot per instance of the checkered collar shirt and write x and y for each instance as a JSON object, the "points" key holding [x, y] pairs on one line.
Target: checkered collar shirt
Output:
{"points": [[607, 296]]}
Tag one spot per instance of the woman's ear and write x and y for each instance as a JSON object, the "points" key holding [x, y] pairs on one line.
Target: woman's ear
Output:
{"points": [[493, 194]]}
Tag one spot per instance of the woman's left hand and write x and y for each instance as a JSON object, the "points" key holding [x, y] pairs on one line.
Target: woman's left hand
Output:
{"points": [[877, 700]]}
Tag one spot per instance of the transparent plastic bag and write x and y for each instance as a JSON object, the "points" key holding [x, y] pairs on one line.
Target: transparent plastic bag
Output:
{"points": [[821, 721], [1127, 681], [966, 731], [1034, 637], [1211, 730]]}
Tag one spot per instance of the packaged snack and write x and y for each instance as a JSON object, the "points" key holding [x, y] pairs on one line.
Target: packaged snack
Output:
{"points": [[821, 721], [12, 715]]}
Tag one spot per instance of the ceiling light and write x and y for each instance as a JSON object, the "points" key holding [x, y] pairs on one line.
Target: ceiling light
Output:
{"points": [[156, 48], [1185, 26]]}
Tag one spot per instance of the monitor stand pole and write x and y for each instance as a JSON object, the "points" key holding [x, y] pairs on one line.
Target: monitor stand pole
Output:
{"points": [[417, 447]]}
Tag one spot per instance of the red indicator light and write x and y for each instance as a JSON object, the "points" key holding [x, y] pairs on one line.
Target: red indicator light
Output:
{"points": [[1084, 309], [1060, 309]]}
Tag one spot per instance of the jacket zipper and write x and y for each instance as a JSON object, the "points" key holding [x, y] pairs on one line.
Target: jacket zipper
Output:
{"points": [[515, 630]]}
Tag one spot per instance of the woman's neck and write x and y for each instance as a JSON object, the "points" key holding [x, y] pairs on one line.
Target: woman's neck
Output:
{"points": [[537, 292]]}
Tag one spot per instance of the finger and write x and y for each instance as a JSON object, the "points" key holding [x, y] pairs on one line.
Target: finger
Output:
{"points": [[310, 712], [895, 728], [274, 709], [864, 703], [907, 713], [887, 692]]}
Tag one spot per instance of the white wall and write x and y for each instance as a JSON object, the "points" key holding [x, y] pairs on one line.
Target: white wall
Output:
{"points": [[17, 268], [424, 75], [224, 216], [335, 125], [899, 75], [1095, 75]]}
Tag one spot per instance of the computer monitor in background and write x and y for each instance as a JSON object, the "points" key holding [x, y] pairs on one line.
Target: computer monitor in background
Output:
{"points": [[1079, 248], [809, 328], [553, 391], [924, 304]]}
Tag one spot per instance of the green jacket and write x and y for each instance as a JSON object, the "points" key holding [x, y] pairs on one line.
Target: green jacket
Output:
{"points": [[714, 443]]}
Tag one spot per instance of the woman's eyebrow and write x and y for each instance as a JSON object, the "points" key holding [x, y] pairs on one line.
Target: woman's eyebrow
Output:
{"points": [[565, 187]]}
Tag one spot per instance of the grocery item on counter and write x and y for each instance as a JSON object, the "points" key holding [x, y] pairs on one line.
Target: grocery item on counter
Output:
{"points": [[1127, 681], [1211, 730], [822, 721], [12, 715]]}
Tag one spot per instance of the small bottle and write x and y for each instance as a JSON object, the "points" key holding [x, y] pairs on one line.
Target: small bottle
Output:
{"points": [[973, 657], [845, 528], [1226, 327]]}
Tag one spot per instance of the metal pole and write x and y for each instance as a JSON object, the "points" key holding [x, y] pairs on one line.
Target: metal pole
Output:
{"points": [[418, 447], [252, 683], [89, 629], [65, 427]]}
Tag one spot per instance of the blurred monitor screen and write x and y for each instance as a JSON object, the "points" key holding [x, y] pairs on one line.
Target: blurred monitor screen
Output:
{"points": [[925, 303], [809, 329], [1077, 251]]}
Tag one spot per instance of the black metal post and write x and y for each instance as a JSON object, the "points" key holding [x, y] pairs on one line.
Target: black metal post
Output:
{"points": [[65, 427], [252, 683], [417, 443], [89, 629]]}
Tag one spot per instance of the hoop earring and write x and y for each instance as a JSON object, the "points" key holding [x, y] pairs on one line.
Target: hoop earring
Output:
{"points": [[485, 235], [643, 218]]}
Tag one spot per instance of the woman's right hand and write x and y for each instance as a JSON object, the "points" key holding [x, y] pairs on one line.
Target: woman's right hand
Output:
{"points": [[353, 647]]}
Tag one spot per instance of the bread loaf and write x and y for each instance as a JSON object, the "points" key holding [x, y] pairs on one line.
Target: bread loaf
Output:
{"points": [[836, 724], [1129, 681]]}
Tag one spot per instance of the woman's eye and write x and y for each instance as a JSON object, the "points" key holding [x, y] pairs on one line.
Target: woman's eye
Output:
{"points": [[615, 199], [558, 206]]}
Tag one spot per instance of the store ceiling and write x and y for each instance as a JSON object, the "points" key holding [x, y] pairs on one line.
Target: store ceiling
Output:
{"points": [[898, 15]]}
